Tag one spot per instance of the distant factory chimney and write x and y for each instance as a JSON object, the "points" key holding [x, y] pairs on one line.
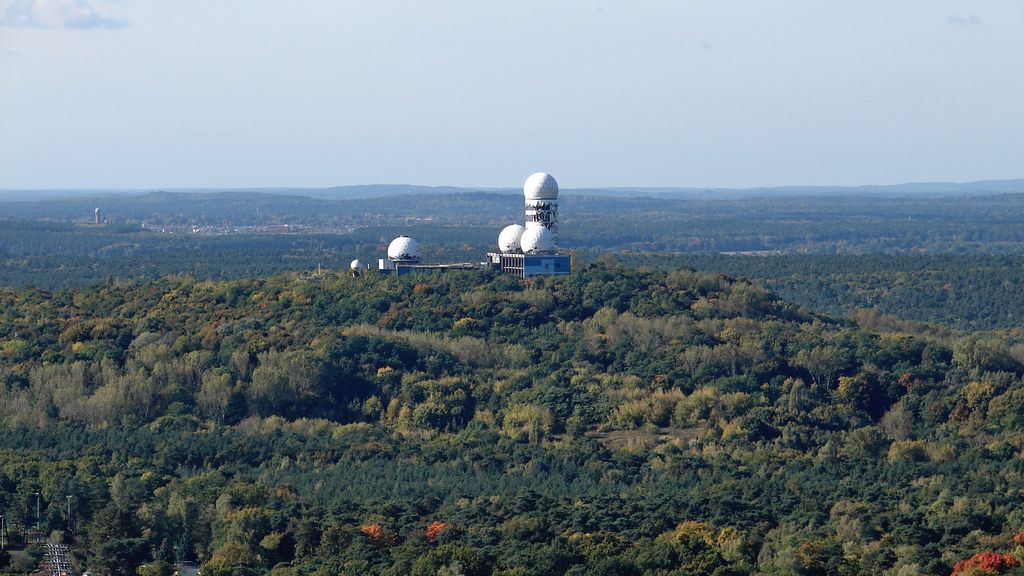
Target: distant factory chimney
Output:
{"points": [[98, 217]]}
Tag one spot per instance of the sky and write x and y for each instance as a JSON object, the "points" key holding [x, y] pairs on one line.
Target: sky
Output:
{"points": [[604, 93]]}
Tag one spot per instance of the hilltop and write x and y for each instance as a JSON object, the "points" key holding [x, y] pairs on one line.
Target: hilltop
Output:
{"points": [[611, 422]]}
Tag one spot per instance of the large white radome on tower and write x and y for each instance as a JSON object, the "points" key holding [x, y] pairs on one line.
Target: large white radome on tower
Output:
{"points": [[403, 249], [537, 240], [355, 265], [541, 192], [540, 186], [509, 239]]}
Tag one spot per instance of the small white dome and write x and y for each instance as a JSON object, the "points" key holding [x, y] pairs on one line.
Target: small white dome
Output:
{"points": [[540, 186], [508, 240], [403, 249], [355, 265], [537, 239]]}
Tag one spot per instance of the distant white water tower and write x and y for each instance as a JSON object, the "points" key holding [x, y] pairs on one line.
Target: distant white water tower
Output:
{"points": [[97, 217], [541, 193]]}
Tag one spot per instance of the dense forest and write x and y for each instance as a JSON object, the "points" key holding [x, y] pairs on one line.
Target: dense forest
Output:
{"points": [[944, 258], [963, 291], [615, 421], [967, 292], [814, 223]]}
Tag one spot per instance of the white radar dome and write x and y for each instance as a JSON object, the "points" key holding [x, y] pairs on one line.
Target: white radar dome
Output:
{"points": [[508, 240], [537, 239], [355, 265], [403, 249], [540, 186]]}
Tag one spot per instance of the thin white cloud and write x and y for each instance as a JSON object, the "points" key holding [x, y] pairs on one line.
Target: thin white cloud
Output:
{"points": [[958, 20], [56, 14]]}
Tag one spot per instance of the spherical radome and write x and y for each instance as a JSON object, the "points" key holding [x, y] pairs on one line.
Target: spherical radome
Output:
{"points": [[403, 248], [355, 265], [508, 240], [537, 239], [540, 186]]}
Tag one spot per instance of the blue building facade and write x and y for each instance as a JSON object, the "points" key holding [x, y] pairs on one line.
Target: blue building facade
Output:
{"points": [[527, 265], [545, 264]]}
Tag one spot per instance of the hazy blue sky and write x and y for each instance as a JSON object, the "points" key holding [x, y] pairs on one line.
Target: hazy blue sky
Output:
{"points": [[195, 93]]}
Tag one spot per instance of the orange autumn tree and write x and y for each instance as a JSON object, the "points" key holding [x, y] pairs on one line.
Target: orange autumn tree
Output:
{"points": [[984, 563], [434, 530], [379, 535]]}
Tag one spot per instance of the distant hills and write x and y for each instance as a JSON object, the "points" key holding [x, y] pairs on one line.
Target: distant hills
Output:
{"points": [[386, 190], [944, 188]]}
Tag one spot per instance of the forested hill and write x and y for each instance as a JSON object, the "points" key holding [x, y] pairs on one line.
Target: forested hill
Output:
{"points": [[609, 422]]}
